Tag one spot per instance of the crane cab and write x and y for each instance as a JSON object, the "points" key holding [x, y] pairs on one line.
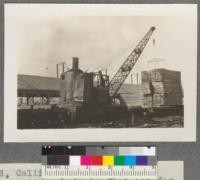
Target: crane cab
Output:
{"points": [[79, 88]]}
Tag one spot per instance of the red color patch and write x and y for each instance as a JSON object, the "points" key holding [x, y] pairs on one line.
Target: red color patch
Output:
{"points": [[97, 160]]}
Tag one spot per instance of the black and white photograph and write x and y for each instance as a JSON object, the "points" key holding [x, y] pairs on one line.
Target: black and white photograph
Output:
{"points": [[76, 72]]}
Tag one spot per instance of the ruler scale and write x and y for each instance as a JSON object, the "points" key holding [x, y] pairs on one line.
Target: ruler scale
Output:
{"points": [[21, 171], [98, 162], [145, 172]]}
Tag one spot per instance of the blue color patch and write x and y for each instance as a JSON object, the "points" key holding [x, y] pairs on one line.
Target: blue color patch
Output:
{"points": [[130, 160], [141, 160]]}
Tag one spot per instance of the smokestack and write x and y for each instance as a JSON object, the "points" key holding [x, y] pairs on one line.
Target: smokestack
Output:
{"points": [[75, 62]]}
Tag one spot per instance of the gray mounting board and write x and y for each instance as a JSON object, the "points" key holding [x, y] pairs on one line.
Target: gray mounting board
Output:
{"points": [[189, 152]]}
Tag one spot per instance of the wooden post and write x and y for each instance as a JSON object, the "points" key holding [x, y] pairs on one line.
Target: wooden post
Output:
{"points": [[48, 99], [57, 70], [27, 100], [132, 119], [137, 78], [131, 78], [63, 67]]}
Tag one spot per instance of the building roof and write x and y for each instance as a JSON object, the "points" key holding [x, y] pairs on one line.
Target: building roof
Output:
{"points": [[29, 82], [29, 85]]}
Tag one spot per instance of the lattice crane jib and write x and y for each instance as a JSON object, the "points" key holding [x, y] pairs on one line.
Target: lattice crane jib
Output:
{"points": [[127, 66]]}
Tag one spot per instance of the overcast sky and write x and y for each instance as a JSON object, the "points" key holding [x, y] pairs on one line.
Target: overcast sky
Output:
{"points": [[38, 36]]}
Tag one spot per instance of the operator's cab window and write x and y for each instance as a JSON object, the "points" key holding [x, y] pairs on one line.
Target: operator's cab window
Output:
{"points": [[62, 77]]}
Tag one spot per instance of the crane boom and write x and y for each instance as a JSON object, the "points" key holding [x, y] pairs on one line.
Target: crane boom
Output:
{"points": [[127, 66]]}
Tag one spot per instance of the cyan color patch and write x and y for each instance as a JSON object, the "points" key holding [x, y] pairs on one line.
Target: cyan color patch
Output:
{"points": [[130, 160]]}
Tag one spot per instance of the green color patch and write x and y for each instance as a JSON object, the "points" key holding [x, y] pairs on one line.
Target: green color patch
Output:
{"points": [[119, 160]]}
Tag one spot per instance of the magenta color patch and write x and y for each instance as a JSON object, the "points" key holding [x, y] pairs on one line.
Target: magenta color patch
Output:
{"points": [[86, 160]]}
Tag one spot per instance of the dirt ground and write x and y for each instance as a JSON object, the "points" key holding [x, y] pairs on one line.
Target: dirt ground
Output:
{"points": [[164, 122], [153, 122]]}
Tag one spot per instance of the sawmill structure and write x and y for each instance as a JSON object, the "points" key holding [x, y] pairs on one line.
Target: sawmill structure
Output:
{"points": [[92, 97]]}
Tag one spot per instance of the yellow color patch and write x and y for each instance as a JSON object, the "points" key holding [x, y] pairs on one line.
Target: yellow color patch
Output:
{"points": [[108, 160]]}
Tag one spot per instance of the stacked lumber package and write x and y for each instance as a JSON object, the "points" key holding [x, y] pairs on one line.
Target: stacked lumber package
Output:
{"points": [[161, 87], [131, 95]]}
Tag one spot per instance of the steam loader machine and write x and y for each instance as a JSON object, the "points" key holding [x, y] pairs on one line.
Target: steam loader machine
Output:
{"points": [[88, 97]]}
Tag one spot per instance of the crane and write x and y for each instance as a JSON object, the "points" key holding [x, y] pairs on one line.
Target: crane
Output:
{"points": [[128, 64]]}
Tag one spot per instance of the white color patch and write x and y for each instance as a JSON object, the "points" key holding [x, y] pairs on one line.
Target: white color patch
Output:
{"points": [[151, 151], [74, 160]]}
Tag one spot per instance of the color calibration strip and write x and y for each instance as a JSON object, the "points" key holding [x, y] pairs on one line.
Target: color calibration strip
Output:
{"points": [[107, 160], [99, 156], [98, 150], [99, 162]]}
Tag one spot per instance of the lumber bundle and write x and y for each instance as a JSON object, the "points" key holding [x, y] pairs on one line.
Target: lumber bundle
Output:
{"points": [[161, 87], [131, 95]]}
